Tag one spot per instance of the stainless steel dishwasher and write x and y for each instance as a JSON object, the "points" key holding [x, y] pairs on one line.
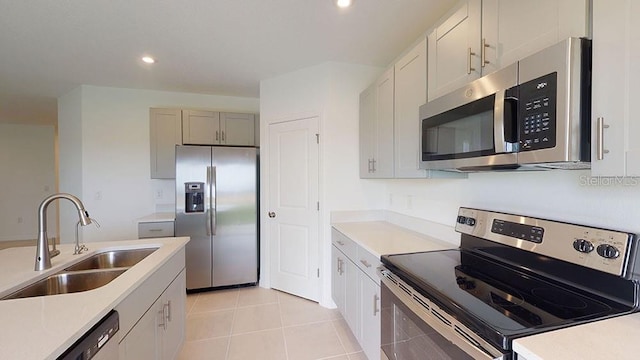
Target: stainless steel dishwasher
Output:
{"points": [[97, 343]]}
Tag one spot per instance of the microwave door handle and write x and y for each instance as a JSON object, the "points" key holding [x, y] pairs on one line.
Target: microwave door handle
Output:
{"points": [[498, 124]]}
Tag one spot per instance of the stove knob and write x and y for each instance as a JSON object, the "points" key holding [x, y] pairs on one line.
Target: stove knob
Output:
{"points": [[471, 221], [608, 251], [583, 246], [462, 219]]}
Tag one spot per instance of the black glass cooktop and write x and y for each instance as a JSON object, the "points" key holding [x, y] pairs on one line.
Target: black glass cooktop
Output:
{"points": [[496, 299]]}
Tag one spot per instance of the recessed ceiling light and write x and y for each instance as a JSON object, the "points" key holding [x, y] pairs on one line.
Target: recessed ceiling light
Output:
{"points": [[148, 59], [343, 3]]}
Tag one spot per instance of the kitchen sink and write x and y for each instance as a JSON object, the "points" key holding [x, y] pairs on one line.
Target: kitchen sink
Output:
{"points": [[91, 273], [67, 282], [112, 259]]}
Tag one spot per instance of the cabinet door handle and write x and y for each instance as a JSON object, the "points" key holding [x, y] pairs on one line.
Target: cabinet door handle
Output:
{"points": [[169, 310], [217, 135], [376, 310], [163, 323], [373, 163], [223, 135], [369, 166], [483, 53], [340, 265], [600, 150], [469, 68], [365, 263]]}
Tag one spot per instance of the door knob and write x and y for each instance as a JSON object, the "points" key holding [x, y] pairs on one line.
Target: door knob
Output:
{"points": [[272, 214]]}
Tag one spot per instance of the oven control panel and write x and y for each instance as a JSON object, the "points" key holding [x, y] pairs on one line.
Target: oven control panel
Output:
{"points": [[518, 231], [595, 248]]}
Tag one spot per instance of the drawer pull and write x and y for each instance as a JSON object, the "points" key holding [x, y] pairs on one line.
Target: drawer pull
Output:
{"points": [[155, 230], [340, 243], [365, 263]]}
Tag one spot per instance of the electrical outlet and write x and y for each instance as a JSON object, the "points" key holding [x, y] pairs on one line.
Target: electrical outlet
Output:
{"points": [[97, 195], [159, 194], [20, 220]]}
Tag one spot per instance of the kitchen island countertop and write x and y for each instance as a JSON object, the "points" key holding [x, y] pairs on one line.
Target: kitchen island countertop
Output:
{"points": [[44, 327]]}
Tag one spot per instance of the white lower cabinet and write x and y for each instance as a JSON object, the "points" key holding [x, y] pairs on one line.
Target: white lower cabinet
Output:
{"points": [[370, 317], [160, 332], [142, 342], [152, 318], [171, 316], [356, 293], [338, 279], [352, 308]]}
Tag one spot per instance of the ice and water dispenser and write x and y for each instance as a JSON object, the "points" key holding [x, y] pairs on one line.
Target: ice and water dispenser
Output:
{"points": [[194, 197]]}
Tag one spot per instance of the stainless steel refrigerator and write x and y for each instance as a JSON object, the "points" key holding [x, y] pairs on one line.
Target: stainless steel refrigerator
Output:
{"points": [[216, 205]]}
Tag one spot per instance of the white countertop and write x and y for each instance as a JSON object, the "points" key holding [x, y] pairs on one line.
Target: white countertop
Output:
{"points": [[380, 238], [158, 217], [606, 339], [44, 327]]}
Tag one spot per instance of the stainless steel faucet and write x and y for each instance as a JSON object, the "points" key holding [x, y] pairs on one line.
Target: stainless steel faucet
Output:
{"points": [[81, 247], [43, 257]]}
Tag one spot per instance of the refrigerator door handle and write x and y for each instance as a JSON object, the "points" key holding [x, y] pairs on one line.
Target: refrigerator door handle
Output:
{"points": [[214, 201], [208, 211]]}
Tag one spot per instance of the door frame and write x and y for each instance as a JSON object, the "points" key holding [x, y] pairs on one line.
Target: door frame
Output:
{"points": [[265, 240]]}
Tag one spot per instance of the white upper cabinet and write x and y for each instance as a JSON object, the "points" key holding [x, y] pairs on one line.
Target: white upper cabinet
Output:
{"points": [[514, 29], [367, 130], [482, 36], [616, 52], [390, 120], [237, 129], [376, 128], [216, 128], [383, 163], [410, 94], [452, 47], [200, 127], [165, 127]]}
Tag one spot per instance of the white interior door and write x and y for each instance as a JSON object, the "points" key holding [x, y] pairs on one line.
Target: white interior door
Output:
{"points": [[293, 207]]}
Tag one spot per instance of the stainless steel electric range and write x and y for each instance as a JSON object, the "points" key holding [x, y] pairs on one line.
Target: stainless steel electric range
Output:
{"points": [[512, 276]]}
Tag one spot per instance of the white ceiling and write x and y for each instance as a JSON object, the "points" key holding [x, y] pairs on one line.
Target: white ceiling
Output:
{"points": [[224, 47]]}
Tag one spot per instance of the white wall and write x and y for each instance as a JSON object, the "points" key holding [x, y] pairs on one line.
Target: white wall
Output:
{"points": [[104, 155], [70, 158], [331, 92], [27, 160], [571, 196]]}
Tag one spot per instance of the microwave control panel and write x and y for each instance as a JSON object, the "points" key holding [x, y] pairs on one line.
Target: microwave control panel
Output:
{"points": [[537, 113]]}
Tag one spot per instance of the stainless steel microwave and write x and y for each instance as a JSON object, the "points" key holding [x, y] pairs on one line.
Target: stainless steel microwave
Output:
{"points": [[533, 114]]}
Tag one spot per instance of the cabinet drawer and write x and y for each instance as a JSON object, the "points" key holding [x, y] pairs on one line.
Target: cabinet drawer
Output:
{"points": [[344, 244], [155, 229], [368, 263]]}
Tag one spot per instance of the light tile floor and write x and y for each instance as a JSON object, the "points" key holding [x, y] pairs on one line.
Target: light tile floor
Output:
{"points": [[256, 323]]}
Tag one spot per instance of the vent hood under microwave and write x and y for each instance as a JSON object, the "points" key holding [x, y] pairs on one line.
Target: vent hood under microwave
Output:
{"points": [[532, 115]]}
